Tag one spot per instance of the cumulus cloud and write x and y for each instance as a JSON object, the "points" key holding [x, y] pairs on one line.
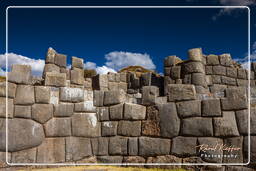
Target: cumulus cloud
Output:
{"points": [[37, 65], [118, 60], [90, 65], [104, 70], [244, 61], [229, 11]]}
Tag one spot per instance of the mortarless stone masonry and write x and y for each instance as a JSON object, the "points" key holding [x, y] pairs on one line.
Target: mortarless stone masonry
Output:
{"points": [[123, 118]]}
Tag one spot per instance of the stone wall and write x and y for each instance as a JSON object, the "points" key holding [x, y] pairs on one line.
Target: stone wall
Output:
{"points": [[121, 118]]}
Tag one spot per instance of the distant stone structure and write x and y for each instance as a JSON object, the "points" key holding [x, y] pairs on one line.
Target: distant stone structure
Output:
{"points": [[122, 118]]}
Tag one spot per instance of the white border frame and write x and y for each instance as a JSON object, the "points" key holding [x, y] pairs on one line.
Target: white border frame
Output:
{"points": [[128, 164]]}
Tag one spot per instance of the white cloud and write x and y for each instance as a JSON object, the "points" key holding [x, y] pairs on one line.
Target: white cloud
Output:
{"points": [[90, 65], [118, 60], [244, 61], [37, 65], [104, 70], [228, 11]]}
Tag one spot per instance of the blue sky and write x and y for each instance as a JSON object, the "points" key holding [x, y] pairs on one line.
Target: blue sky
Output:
{"points": [[115, 38]]}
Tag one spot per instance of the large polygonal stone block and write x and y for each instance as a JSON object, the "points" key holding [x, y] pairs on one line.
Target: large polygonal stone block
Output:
{"points": [[77, 62], [184, 146], [77, 76], [197, 126], [43, 94], [129, 128], [55, 79], [151, 126], [219, 70], [114, 97], [213, 60], [60, 60], [24, 156], [232, 72], [229, 81], [169, 120], [63, 109], [103, 113], [134, 111], [175, 72], [164, 159], [58, 127], [237, 143], [86, 106], [171, 60], [109, 128], [50, 55], [85, 125], [195, 54], [11, 89], [98, 98], [241, 73], [77, 148], [225, 125], [22, 111], [3, 106], [181, 92], [51, 151], [225, 59], [153, 146], [100, 82], [20, 74], [42, 112], [100, 146], [22, 134], [133, 146], [118, 145], [24, 95], [193, 67], [149, 94], [110, 159], [199, 79], [71, 94], [116, 112], [211, 107], [252, 147], [51, 68], [189, 108]]}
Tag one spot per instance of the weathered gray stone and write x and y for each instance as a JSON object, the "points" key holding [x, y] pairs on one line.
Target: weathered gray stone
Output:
{"points": [[103, 113], [198, 79], [71, 94], [195, 54], [134, 159], [167, 71], [228, 80], [43, 94], [153, 146], [252, 147], [189, 108], [60, 60], [237, 151], [133, 146], [206, 143], [110, 159], [98, 98], [116, 112], [170, 159], [151, 126], [63, 109], [51, 68], [22, 134], [208, 80], [208, 70], [213, 60], [24, 156], [171, 60], [77, 62], [123, 77], [111, 77], [58, 127], [114, 97], [11, 89], [226, 125], [86, 106], [55, 79], [113, 85], [65, 71], [50, 55], [85, 125], [187, 79], [211, 107], [232, 72], [192, 67], [51, 151], [100, 82], [197, 126], [225, 59], [242, 117], [20, 74], [77, 76], [169, 120], [129, 128], [175, 72], [22, 111], [216, 79], [109, 128], [42, 112], [181, 92], [236, 99], [122, 86], [77, 148], [241, 82], [184, 146], [219, 70], [100, 146], [149, 95], [134, 111], [24, 95], [54, 95], [10, 108], [118, 145], [238, 168], [241, 73]]}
